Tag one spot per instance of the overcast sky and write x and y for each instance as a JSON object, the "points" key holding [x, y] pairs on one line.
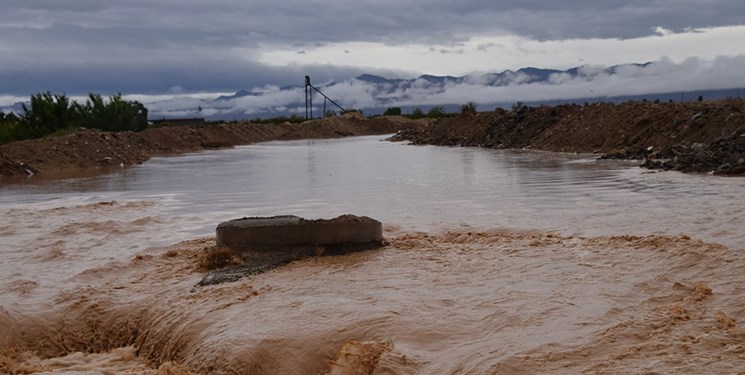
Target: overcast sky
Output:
{"points": [[187, 46]]}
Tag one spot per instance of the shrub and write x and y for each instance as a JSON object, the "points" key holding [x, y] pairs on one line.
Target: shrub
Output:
{"points": [[436, 112], [469, 107], [392, 111], [416, 114]]}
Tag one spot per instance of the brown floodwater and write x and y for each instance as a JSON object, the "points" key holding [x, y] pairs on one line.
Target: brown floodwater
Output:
{"points": [[497, 262]]}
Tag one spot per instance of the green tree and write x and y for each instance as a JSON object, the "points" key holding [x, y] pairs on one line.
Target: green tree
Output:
{"points": [[469, 107], [392, 111], [416, 114], [436, 112], [48, 113], [116, 115], [8, 127]]}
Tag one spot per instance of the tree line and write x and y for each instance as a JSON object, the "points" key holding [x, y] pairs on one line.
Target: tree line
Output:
{"points": [[434, 112], [56, 114]]}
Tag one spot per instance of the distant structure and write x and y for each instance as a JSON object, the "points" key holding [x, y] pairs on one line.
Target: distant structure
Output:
{"points": [[196, 121], [309, 100]]}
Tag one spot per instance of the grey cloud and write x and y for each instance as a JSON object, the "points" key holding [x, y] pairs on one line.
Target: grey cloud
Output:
{"points": [[526, 85], [88, 45], [322, 21]]}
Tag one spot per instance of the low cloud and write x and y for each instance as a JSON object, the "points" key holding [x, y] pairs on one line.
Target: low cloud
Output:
{"points": [[661, 76]]}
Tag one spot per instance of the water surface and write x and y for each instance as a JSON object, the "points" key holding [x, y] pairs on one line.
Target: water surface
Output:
{"points": [[412, 187]]}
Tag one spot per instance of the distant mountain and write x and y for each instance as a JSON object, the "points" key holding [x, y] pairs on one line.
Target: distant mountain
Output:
{"points": [[527, 75], [533, 86]]}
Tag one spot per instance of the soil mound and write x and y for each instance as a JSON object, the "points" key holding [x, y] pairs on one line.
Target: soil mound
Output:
{"points": [[704, 136], [88, 149]]}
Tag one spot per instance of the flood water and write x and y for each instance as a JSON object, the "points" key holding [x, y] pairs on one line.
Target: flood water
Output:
{"points": [[414, 187], [500, 262]]}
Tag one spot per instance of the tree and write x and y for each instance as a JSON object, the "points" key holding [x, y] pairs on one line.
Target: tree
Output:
{"points": [[392, 111], [436, 112], [48, 113], [8, 127], [700, 98], [116, 115], [469, 107], [416, 114]]}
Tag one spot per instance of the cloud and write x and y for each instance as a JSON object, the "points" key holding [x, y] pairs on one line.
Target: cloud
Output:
{"points": [[142, 46], [508, 87]]}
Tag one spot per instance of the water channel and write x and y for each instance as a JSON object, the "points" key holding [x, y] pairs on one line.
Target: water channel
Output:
{"points": [[413, 188]]}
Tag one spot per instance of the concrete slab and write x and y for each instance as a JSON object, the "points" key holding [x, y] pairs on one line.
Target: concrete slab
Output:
{"points": [[287, 232]]}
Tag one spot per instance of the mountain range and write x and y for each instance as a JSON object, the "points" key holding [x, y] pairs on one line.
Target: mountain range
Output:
{"points": [[658, 80]]}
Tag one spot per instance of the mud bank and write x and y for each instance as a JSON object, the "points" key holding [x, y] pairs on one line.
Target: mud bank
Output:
{"points": [[91, 149], [692, 137]]}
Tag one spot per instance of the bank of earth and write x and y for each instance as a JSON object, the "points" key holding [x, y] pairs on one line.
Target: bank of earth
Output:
{"points": [[707, 136], [87, 149]]}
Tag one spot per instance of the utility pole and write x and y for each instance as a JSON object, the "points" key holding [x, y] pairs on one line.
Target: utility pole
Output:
{"points": [[309, 100]]}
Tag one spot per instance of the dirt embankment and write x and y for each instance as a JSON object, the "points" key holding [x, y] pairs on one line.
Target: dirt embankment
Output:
{"points": [[691, 137], [89, 149]]}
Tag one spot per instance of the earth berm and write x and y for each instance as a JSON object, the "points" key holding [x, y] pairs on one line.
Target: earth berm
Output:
{"points": [[707, 136], [87, 150]]}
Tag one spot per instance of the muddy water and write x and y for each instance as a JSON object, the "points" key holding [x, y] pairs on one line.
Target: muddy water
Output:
{"points": [[499, 262]]}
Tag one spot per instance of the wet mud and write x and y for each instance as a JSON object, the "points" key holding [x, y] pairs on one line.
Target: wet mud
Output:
{"points": [[80, 294]]}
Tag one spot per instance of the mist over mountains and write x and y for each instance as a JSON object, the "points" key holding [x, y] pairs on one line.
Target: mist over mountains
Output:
{"points": [[658, 80]]}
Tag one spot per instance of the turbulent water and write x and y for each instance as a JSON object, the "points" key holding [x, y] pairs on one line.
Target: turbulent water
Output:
{"points": [[502, 262]]}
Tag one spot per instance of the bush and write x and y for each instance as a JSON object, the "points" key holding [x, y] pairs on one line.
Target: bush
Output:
{"points": [[469, 107], [436, 112], [416, 114], [392, 111], [518, 106]]}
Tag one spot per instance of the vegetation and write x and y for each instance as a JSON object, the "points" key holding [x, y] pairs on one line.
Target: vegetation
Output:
{"points": [[469, 107], [416, 114], [58, 114], [437, 112], [294, 119], [392, 111]]}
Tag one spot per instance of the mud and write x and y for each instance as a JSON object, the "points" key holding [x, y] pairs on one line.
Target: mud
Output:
{"points": [[702, 136], [460, 301], [92, 149]]}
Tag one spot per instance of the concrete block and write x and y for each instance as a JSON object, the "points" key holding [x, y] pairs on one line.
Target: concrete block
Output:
{"points": [[287, 232]]}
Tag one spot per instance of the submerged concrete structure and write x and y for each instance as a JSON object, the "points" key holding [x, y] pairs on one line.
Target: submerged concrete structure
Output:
{"points": [[278, 233]]}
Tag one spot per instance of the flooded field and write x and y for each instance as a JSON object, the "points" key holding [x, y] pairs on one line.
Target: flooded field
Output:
{"points": [[502, 262]]}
